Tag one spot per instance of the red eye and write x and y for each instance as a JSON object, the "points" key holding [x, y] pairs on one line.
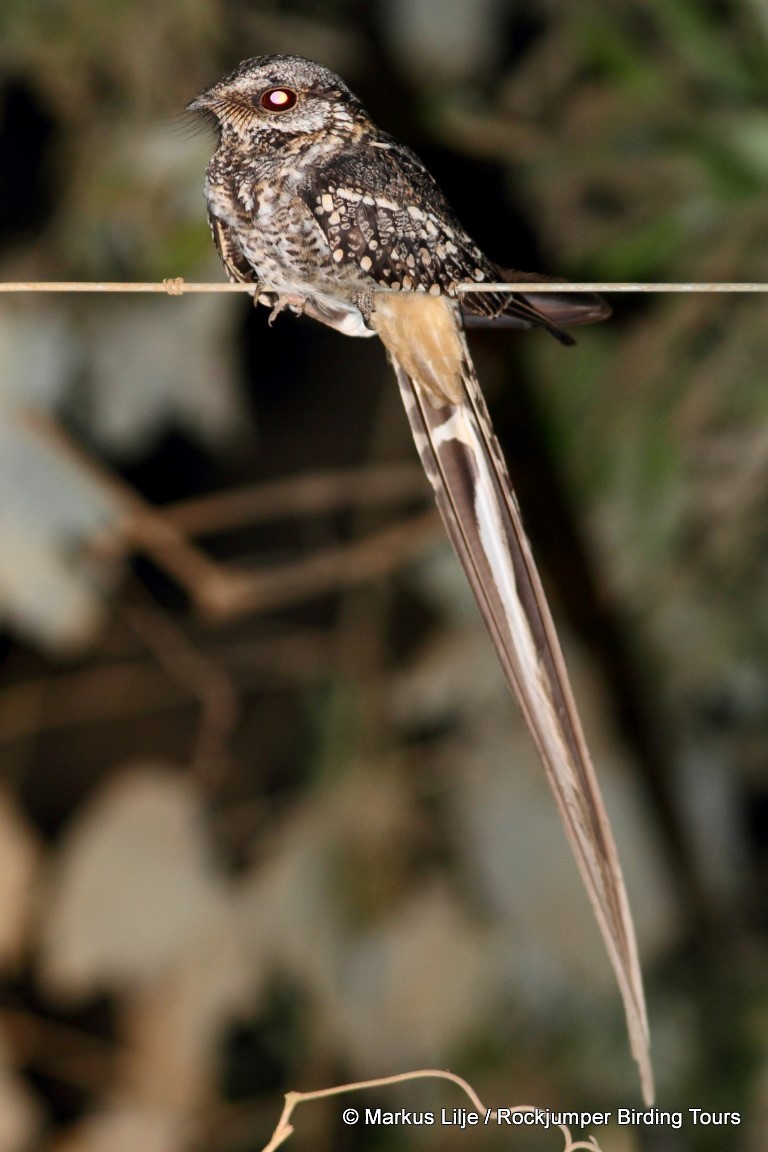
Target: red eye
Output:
{"points": [[278, 99]]}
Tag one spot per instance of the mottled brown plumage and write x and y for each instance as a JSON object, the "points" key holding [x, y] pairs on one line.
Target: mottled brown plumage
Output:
{"points": [[325, 214], [310, 199]]}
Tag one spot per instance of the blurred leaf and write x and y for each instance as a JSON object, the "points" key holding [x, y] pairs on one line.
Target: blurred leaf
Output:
{"points": [[701, 33], [51, 512], [132, 886], [180, 375]]}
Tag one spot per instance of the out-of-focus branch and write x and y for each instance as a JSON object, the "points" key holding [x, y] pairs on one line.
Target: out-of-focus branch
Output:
{"points": [[219, 592], [378, 555], [67, 1054], [329, 491], [73, 697], [142, 528], [191, 668]]}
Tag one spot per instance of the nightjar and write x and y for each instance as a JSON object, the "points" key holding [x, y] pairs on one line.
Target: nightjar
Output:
{"points": [[326, 214], [310, 200]]}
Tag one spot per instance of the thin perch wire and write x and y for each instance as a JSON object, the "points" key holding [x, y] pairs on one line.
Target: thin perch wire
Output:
{"points": [[179, 287]]}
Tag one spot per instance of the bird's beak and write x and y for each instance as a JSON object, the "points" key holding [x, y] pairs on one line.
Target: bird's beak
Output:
{"points": [[199, 104]]}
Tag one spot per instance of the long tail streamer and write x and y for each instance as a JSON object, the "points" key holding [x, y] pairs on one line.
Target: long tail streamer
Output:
{"points": [[466, 468]]}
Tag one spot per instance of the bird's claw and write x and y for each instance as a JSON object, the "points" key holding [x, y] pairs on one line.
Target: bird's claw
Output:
{"points": [[364, 302], [297, 304]]}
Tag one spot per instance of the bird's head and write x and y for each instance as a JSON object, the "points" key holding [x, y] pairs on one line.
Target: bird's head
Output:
{"points": [[276, 95]]}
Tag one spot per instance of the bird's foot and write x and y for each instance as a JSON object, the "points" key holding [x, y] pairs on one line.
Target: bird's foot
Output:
{"points": [[297, 304], [262, 295], [364, 301]]}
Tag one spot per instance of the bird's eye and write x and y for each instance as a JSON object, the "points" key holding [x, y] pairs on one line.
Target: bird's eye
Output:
{"points": [[278, 99]]}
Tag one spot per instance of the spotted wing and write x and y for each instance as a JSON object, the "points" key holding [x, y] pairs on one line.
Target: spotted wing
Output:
{"points": [[381, 210]]}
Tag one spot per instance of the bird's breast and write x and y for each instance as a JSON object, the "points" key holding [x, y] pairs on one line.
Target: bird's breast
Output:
{"points": [[257, 198]]}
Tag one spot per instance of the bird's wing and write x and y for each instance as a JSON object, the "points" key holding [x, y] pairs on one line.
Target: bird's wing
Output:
{"points": [[383, 213], [564, 309], [238, 268], [465, 466]]}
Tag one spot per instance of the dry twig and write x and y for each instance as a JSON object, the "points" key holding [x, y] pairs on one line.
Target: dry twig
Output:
{"points": [[284, 1128]]}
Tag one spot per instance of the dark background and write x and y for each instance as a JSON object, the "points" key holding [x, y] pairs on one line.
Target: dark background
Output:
{"points": [[295, 837]]}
